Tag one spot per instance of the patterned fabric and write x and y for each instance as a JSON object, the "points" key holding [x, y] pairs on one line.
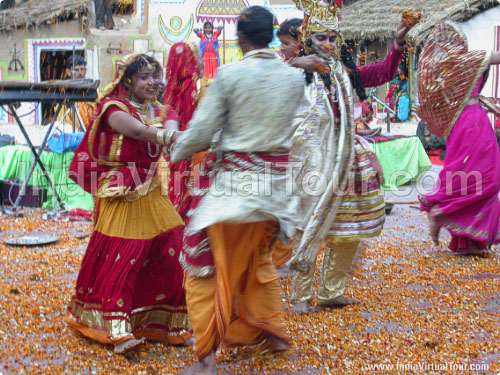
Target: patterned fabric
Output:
{"points": [[130, 281], [361, 214], [253, 103], [447, 74], [196, 257], [465, 200], [319, 16], [181, 94], [490, 105], [104, 155], [182, 75], [325, 148], [383, 138], [324, 143]]}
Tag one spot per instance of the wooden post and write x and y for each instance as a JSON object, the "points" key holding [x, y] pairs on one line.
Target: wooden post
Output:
{"points": [[388, 122], [223, 42]]}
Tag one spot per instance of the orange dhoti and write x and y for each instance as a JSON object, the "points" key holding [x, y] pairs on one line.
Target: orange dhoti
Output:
{"points": [[281, 253], [240, 305]]}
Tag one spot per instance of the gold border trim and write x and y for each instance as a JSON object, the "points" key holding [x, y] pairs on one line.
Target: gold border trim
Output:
{"points": [[126, 323], [480, 72], [95, 127]]}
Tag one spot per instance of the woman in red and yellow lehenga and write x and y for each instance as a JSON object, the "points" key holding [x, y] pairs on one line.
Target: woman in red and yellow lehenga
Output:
{"points": [[129, 287]]}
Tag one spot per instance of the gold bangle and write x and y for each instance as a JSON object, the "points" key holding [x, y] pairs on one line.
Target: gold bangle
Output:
{"points": [[168, 141], [160, 136]]}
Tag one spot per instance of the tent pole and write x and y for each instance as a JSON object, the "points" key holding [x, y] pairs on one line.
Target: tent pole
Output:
{"points": [[223, 42]]}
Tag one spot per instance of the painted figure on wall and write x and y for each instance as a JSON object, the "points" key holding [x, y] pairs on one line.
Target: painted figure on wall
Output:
{"points": [[104, 15], [208, 48]]}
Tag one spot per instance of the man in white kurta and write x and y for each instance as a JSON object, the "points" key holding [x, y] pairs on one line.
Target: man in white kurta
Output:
{"points": [[252, 103]]}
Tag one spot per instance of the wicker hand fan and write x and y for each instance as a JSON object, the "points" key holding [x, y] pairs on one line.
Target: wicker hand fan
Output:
{"points": [[447, 74]]}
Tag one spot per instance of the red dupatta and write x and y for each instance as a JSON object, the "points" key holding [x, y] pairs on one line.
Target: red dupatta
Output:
{"points": [[181, 94]]}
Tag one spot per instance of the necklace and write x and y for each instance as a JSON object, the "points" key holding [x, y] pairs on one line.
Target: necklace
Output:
{"points": [[156, 153], [142, 110], [336, 68], [139, 106]]}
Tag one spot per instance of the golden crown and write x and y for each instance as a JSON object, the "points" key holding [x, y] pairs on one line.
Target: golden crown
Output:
{"points": [[321, 15]]}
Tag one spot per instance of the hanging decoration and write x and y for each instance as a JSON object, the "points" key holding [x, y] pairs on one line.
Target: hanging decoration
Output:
{"points": [[176, 33]]}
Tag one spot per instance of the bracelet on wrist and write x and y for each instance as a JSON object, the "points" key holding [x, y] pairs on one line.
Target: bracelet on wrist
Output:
{"points": [[168, 138], [160, 137]]}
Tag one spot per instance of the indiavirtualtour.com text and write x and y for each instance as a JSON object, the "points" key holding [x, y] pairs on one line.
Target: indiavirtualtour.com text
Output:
{"points": [[249, 183], [425, 367]]}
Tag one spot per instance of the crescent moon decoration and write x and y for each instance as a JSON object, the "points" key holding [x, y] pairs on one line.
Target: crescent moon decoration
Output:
{"points": [[176, 33]]}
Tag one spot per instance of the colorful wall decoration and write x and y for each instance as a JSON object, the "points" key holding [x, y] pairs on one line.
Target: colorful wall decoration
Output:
{"points": [[177, 32], [167, 30], [154, 28], [220, 10]]}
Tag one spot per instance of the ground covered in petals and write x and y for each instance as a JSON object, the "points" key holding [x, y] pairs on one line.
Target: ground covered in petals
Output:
{"points": [[423, 311]]}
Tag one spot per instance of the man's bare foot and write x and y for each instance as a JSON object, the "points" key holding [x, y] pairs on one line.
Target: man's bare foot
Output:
{"points": [[434, 230], [128, 345], [189, 342], [277, 344], [340, 301], [207, 366], [300, 308]]}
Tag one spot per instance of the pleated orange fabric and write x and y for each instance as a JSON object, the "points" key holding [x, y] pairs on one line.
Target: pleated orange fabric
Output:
{"points": [[281, 254], [241, 304]]}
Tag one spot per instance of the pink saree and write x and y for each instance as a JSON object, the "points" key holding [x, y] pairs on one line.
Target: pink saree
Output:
{"points": [[465, 200]]}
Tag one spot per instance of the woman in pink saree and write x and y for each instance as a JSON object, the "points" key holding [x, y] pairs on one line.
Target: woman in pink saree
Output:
{"points": [[465, 200]]}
